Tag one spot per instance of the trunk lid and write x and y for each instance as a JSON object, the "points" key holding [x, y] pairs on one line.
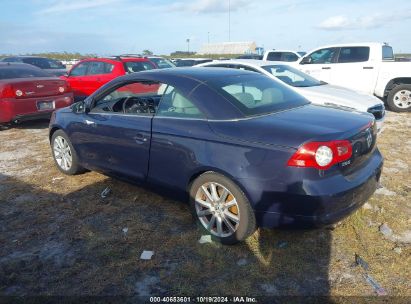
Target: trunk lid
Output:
{"points": [[295, 127], [39, 87]]}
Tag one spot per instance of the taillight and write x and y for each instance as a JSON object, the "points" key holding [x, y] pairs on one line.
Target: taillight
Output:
{"points": [[64, 87], [321, 155], [8, 91]]}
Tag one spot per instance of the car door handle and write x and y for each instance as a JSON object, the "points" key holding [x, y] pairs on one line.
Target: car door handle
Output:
{"points": [[140, 138], [326, 68], [368, 68], [89, 122]]}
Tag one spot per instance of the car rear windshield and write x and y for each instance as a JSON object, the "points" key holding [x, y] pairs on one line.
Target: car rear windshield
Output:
{"points": [[44, 63], [257, 94], [292, 76], [21, 72], [137, 66], [162, 63], [185, 63], [387, 53]]}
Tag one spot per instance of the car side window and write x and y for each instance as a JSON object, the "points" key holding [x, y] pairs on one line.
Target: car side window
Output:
{"points": [[322, 56], [98, 67], [274, 56], [175, 104], [248, 95], [136, 98], [79, 70], [353, 54], [137, 66], [289, 57], [12, 59]]}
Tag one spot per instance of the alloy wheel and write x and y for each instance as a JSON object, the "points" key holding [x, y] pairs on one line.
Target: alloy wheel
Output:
{"points": [[62, 153], [217, 209]]}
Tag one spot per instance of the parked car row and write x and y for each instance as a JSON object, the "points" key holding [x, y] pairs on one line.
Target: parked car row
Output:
{"points": [[318, 92], [364, 67], [369, 68]]}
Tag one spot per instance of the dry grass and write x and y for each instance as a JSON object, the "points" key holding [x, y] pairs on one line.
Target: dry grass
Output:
{"points": [[59, 237]]}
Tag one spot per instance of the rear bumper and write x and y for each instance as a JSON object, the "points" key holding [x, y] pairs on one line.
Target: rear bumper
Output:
{"points": [[26, 109], [347, 203], [319, 202]]}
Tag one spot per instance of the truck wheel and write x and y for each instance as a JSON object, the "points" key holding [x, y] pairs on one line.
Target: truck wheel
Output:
{"points": [[399, 98], [221, 208]]}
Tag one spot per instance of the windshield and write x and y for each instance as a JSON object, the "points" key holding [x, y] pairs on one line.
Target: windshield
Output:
{"points": [[255, 94], [185, 63], [44, 63], [291, 76], [137, 66], [163, 63], [21, 72]]}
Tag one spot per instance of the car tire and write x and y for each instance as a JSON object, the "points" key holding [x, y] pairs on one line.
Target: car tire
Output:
{"points": [[64, 154], [224, 212], [399, 98]]}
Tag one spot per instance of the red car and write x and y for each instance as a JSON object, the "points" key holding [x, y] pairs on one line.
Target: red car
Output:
{"points": [[90, 74], [27, 92]]}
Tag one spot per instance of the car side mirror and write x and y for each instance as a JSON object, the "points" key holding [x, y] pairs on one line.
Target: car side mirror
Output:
{"points": [[80, 107], [306, 60]]}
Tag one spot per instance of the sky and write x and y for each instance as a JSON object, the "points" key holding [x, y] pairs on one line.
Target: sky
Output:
{"points": [[107, 27]]}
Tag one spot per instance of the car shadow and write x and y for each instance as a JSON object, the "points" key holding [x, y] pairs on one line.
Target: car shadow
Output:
{"points": [[295, 257], [30, 124]]}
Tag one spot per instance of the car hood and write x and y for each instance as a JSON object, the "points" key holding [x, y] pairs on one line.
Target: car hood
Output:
{"points": [[340, 96], [293, 127]]}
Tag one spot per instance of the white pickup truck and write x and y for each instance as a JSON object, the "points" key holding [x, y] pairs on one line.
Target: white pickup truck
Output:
{"points": [[363, 67]]}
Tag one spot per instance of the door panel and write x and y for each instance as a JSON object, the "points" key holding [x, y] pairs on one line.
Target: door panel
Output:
{"points": [[178, 139], [98, 74], [115, 143], [354, 70], [76, 78], [319, 64], [178, 148], [318, 71]]}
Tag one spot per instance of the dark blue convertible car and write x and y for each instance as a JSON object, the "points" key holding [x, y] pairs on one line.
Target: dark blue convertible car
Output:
{"points": [[247, 150]]}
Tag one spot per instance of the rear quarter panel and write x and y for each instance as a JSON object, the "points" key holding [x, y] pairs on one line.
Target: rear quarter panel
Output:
{"points": [[390, 70], [182, 149]]}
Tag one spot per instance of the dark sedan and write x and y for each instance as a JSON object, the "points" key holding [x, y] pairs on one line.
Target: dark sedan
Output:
{"points": [[51, 66], [247, 150]]}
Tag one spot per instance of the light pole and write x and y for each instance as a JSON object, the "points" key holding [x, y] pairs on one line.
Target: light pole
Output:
{"points": [[188, 46]]}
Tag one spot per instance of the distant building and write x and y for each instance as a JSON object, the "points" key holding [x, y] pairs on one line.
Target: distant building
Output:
{"points": [[228, 48]]}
